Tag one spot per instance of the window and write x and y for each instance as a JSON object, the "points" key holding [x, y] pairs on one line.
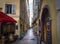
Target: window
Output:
{"points": [[10, 8]]}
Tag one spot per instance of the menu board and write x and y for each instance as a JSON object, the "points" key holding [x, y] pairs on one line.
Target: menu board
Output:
{"points": [[49, 34]]}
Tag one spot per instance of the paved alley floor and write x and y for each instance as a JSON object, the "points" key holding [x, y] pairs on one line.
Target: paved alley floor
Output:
{"points": [[28, 39]]}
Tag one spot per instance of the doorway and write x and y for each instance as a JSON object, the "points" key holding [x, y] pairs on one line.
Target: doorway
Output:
{"points": [[46, 26]]}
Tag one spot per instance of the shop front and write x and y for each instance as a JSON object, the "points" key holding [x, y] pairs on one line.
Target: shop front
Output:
{"points": [[7, 27]]}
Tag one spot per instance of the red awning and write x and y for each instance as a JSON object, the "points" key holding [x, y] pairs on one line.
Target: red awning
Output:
{"points": [[5, 18]]}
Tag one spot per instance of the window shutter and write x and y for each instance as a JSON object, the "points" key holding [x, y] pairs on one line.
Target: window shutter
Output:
{"points": [[13, 9]]}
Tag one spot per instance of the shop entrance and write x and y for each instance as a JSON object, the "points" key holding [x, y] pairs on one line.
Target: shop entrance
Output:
{"points": [[46, 26]]}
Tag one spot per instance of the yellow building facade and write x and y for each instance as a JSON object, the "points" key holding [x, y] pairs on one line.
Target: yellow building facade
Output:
{"points": [[13, 15], [16, 3], [52, 16]]}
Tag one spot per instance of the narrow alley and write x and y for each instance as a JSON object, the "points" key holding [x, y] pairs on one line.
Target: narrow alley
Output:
{"points": [[29, 22], [28, 39]]}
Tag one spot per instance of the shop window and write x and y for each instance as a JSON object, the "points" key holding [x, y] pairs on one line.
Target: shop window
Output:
{"points": [[5, 29], [8, 28], [12, 28]]}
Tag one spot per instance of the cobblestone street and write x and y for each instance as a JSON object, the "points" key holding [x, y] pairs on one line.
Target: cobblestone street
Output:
{"points": [[28, 39]]}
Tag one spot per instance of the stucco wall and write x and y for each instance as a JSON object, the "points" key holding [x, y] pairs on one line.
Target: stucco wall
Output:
{"points": [[57, 2], [16, 2], [58, 26]]}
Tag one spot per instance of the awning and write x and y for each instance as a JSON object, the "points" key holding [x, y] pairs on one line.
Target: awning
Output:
{"points": [[5, 18]]}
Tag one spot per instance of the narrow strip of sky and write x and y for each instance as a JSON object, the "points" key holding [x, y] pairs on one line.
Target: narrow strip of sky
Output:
{"points": [[31, 11]]}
